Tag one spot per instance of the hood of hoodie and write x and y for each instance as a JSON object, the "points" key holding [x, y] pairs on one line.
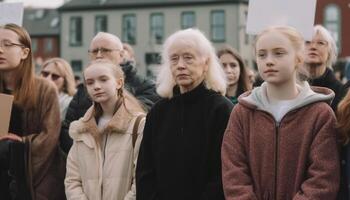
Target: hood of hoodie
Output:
{"points": [[257, 98]]}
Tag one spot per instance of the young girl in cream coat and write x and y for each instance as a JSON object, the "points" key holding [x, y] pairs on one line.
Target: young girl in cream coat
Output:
{"points": [[101, 163]]}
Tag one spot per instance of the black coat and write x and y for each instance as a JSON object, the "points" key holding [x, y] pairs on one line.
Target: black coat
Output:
{"points": [[141, 88], [180, 154], [328, 80]]}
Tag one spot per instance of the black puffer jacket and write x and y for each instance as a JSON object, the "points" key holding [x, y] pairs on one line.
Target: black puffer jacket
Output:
{"points": [[328, 80], [141, 88]]}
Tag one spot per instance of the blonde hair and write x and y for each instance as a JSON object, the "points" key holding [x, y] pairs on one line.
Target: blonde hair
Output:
{"points": [[24, 95], [297, 42], [131, 104], [65, 70], [332, 47], [214, 78]]}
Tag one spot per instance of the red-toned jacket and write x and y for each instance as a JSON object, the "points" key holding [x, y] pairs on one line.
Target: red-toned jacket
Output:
{"points": [[294, 159]]}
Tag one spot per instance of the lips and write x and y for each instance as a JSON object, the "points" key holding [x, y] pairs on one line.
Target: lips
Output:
{"points": [[313, 54], [270, 71], [98, 94]]}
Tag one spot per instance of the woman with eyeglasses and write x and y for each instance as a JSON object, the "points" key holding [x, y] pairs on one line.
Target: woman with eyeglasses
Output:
{"points": [[320, 54], [61, 74], [30, 164]]}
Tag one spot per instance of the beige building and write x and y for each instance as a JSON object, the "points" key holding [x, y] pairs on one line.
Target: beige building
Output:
{"points": [[145, 24]]}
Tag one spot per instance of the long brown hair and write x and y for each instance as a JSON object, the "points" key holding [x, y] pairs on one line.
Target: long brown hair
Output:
{"points": [[343, 115], [243, 80], [24, 95], [126, 99]]}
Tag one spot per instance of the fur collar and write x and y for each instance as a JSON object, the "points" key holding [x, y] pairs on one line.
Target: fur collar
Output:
{"points": [[87, 124]]}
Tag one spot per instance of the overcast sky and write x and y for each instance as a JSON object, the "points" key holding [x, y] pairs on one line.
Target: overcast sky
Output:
{"points": [[39, 3]]}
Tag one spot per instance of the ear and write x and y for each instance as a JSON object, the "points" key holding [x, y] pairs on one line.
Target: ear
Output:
{"points": [[206, 64], [120, 83], [25, 53]]}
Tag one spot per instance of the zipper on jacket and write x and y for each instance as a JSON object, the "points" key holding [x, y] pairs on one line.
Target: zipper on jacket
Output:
{"points": [[103, 163], [277, 125]]}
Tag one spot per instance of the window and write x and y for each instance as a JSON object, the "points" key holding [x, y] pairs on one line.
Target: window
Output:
{"points": [[157, 28], [75, 31], [129, 29], [246, 36], [217, 22], [48, 45], [100, 23], [77, 65], [332, 22], [187, 20]]}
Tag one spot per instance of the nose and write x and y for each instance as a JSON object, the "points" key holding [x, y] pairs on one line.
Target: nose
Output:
{"points": [[180, 64], [99, 54], [97, 86], [269, 61]]}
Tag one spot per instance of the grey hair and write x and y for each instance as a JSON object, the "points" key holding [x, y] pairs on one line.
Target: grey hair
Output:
{"points": [[332, 47], [110, 36], [214, 79]]}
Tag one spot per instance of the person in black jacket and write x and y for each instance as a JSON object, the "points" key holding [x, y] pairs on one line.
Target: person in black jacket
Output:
{"points": [[320, 53], [180, 154], [108, 46]]}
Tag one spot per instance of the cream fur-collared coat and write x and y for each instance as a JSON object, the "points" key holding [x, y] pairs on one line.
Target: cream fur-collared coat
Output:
{"points": [[103, 174]]}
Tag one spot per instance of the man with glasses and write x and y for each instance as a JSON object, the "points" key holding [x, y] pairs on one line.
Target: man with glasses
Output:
{"points": [[106, 46], [320, 54]]}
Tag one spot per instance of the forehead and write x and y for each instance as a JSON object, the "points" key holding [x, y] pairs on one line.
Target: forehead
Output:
{"points": [[97, 70], [182, 48], [228, 56], [272, 40], [103, 41], [52, 67], [319, 36], [6, 34]]}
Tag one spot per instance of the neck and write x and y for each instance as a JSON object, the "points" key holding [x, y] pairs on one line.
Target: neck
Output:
{"points": [[286, 91], [109, 106], [232, 90], [9, 80], [316, 70]]}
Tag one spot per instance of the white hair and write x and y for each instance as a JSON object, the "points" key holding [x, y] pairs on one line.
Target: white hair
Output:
{"points": [[332, 47], [214, 78], [111, 37]]}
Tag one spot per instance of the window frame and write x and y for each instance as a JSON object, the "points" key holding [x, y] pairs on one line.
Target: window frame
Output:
{"points": [[162, 27], [124, 28], [71, 32], [212, 26], [182, 19]]}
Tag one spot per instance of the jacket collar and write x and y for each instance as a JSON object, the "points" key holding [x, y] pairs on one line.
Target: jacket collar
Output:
{"points": [[192, 95], [118, 124], [325, 80]]}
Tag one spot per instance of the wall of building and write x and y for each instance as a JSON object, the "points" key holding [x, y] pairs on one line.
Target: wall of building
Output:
{"points": [[235, 29]]}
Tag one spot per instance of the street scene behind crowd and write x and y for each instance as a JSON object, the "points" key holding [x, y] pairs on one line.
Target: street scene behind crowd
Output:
{"points": [[197, 118]]}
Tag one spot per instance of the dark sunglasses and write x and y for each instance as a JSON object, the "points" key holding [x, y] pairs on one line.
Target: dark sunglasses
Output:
{"points": [[53, 76]]}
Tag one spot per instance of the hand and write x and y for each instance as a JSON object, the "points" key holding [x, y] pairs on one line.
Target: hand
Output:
{"points": [[11, 136]]}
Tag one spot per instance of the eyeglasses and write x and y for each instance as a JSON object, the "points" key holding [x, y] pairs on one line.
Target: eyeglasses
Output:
{"points": [[53, 75], [6, 44], [318, 43], [103, 51]]}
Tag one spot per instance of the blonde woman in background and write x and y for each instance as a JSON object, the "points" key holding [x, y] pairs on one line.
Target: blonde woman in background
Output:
{"points": [[58, 71]]}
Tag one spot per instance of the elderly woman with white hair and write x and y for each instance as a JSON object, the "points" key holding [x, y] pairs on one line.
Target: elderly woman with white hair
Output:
{"points": [[179, 156], [320, 54]]}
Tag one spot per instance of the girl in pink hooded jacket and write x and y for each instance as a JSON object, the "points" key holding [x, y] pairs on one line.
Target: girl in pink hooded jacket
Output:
{"points": [[280, 142]]}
